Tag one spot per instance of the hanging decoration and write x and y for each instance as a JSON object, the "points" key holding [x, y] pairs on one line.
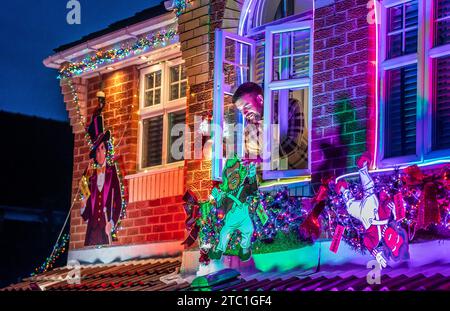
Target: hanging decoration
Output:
{"points": [[58, 249], [102, 57], [102, 205]]}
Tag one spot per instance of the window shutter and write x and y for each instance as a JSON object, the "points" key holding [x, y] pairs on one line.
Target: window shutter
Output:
{"points": [[441, 111], [401, 105], [175, 118], [153, 131]]}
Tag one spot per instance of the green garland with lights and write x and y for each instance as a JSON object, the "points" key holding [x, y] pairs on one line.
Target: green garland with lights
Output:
{"points": [[102, 57]]}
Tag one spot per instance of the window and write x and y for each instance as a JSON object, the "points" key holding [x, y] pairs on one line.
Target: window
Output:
{"points": [[287, 99], [162, 114], [178, 82], [232, 67], [152, 88], [402, 29], [274, 10], [276, 53], [415, 88], [442, 22]]}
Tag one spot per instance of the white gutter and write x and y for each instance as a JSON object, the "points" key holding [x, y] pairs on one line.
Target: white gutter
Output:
{"points": [[132, 31]]}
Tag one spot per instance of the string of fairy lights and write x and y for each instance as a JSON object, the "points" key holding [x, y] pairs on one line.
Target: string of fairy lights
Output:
{"points": [[106, 57], [88, 64]]}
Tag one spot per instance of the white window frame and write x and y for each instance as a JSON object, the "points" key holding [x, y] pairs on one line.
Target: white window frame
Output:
{"points": [[431, 53], [179, 82], [220, 89], [164, 108], [270, 86], [424, 58]]}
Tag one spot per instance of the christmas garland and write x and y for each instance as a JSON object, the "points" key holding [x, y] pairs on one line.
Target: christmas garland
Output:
{"points": [[92, 62], [411, 185]]}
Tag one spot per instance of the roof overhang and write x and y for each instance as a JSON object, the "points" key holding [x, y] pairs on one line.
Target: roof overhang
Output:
{"points": [[127, 33]]}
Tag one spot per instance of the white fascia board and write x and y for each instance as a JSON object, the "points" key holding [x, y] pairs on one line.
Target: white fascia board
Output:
{"points": [[54, 61]]}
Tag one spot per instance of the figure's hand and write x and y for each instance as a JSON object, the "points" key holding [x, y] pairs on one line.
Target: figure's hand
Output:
{"points": [[83, 202], [381, 260], [215, 193], [108, 228], [391, 206]]}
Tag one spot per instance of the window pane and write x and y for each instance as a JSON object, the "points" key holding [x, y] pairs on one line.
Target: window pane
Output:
{"points": [[232, 129], [277, 9], [236, 68], [395, 18], [149, 80], [290, 114], [402, 29], [301, 41], [395, 45], [174, 91], [157, 97], [177, 119], [158, 78], [441, 115], [152, 141], [401, 105], [236, 52], [282, 44], [174, 74], [411, 41], [300, 67], [411, 14], [442, 22], [291, 55], [183, 72], [183, 89], [148, 98]]}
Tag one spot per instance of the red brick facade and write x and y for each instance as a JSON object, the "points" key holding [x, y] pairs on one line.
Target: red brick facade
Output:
{"points": [[342, 87], [148, 221], [342, 101]]}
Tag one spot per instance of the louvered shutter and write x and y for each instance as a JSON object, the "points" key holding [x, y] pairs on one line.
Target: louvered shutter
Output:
{"points": [[153, 131], [175, 118], [441, 115], [401, 106]]}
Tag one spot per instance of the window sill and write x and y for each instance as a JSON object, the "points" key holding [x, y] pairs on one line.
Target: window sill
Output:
{"points": [[156, 169], [287, 182]]}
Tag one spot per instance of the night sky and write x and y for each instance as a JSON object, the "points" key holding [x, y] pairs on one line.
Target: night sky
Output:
{"points": [[29, 30]]}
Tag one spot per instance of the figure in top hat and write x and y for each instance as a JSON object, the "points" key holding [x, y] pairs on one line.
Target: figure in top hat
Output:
{"points": [[101, 205]]}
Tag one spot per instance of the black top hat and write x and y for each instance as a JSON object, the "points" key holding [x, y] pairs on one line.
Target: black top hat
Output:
{"points": [[95, 131]]}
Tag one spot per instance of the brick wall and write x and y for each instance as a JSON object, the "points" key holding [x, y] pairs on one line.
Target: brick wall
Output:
{"points": [[147, 221], [194, 27], [343, 66], [341, 87]]}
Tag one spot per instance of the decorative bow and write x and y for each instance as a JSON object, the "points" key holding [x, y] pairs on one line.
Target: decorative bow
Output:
{"points": [[196, 212], [430, 187], [310, 228]]}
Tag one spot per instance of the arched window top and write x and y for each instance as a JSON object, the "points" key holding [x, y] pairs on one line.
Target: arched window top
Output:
{"points": [[268, 11], [263, 12]]}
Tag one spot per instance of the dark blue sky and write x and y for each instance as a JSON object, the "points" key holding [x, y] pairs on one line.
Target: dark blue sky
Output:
{"points": [[30, 29]]}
